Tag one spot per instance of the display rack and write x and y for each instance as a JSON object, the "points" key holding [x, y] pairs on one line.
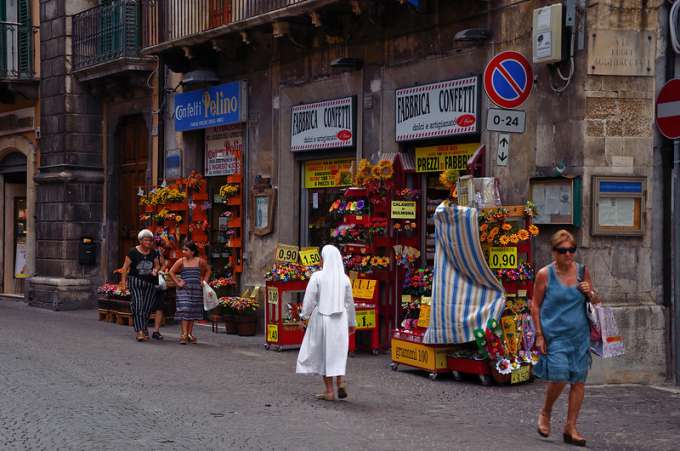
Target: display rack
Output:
{"points": [[283, 325], [226, 230]]}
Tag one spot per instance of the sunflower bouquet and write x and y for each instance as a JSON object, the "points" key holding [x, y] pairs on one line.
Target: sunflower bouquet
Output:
{"points": [[228, 190], [376, 178], [494, 229]]}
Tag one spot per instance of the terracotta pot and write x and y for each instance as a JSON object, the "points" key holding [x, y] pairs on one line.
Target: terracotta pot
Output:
{"points": [[230, 324], [247, 325]]}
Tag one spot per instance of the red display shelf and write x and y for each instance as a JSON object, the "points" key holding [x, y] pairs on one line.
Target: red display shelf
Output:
{"points": [[234, 223], [363, 220], [356, 192], [234, 200], [234, 178]]}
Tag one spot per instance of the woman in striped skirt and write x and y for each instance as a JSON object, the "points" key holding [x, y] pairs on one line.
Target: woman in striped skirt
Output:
{"points": [[139, 273], [193, 273]]}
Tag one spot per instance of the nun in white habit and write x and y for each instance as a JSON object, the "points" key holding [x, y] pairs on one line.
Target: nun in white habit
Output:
{"points": [[329, 306]]}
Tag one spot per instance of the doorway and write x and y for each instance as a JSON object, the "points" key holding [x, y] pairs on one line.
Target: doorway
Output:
{"points": [[14, 223], [132, 152]]}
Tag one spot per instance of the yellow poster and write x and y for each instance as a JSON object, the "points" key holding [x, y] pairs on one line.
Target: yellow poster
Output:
{"points": [[441, 158], [503, 257], [419, 355], [328, 173], [365, 319], [363, 288], [272, 333]]}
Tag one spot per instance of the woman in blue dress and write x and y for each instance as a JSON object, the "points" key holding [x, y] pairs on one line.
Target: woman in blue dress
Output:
{"points": [[193, 273], [562, 332]]}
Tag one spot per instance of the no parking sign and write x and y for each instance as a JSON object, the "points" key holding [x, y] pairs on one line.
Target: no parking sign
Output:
{"points": [[508, 79]]}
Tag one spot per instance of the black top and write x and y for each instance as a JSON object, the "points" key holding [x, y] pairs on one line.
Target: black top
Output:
{"points": [[142, 265]]}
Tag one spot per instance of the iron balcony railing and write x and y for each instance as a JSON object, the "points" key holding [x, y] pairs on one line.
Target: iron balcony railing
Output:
{"points": [[16, 51], [170, 20], [105, 33]]}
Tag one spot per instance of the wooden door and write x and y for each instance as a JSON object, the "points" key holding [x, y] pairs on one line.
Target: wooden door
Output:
{"points": [[132, 152], [15, 238]]}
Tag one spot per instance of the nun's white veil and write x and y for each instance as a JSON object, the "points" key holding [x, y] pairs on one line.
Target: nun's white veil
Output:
{"points": [[332, 282]]}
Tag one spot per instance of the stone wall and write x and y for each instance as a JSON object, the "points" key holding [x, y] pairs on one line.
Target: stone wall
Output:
{"points": [[69, 192]]}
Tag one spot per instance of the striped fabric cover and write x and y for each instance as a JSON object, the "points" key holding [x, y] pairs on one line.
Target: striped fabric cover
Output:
{"points": [[465, 292]]}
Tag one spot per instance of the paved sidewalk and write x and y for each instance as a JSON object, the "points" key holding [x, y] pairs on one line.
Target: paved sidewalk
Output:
{"points": [[68, 381]]}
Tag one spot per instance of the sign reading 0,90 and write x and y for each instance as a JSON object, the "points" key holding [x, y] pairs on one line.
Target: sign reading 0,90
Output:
{"points": [[286, 253], [503, 257]]}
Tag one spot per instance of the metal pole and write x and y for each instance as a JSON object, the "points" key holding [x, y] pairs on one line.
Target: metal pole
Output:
{"points": [[675, 233]]}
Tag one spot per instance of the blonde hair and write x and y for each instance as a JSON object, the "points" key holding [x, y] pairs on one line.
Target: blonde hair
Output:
{"points": [[560, 237]]}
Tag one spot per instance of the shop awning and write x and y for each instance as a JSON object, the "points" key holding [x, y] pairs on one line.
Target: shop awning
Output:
{"points": [[465, 292], [408, 162]]}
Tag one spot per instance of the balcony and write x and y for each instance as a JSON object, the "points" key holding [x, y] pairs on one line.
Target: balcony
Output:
{"points": [[17, 61], [172, 23], [106, 41]]}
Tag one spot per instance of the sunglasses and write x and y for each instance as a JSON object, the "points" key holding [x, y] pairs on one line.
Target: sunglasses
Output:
{"points": [[564, 250]]}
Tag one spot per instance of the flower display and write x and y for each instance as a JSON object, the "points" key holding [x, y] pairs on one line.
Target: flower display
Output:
{"points": [[342, 207], [523, 272], [494, 229], [112, 290], [377, 179], [348, 233], [290, 272], [193, 182], [161, 196], [407, 194], [366, 263], [222, 282], [239, 305], [229, 190], [449, 178], [504, 366], [418, 282]]}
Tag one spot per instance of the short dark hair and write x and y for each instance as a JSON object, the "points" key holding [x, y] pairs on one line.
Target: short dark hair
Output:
{"points": [[192, 247]]}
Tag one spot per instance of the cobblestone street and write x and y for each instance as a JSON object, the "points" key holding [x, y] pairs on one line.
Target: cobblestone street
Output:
{"points": [[71, 382]]}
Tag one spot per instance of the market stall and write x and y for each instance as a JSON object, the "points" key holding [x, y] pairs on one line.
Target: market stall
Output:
{"points": [[474, 319]]}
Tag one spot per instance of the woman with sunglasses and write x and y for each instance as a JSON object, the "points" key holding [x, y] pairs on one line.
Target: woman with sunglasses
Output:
{"points": [[558, 309]]}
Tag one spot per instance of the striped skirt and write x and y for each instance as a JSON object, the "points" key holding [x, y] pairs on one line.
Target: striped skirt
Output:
{"points": [[143, 298]]}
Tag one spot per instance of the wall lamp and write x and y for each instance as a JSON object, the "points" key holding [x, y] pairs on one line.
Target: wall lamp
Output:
{"points": [[347, 63]]}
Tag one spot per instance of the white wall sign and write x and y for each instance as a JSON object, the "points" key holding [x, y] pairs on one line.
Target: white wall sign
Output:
{"points": [[508, 121], [223, 147], [324, 125], [503, 149], [439, 109]]}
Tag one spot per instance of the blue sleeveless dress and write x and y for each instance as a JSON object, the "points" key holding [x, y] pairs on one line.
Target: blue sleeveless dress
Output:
{"points": [[566, 332]]}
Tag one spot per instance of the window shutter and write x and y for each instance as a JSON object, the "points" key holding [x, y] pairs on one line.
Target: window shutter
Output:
{"points": [[25, 39]]}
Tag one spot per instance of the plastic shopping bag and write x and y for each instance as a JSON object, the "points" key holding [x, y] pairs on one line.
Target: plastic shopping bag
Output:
{"points": [[210, 300], [611, 344], [162, 284]]}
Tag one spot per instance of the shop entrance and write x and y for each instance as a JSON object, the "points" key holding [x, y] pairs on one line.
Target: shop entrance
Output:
{"points": [[132, 153], [13, 201]]}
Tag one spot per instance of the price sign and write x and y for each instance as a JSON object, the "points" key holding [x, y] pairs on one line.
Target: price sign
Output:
{"points": [[272, 296], [521, 374], [503, 258], [272, 333], [286, 253], [365, 319], [403, 209], [310, 256], [363, 288]]}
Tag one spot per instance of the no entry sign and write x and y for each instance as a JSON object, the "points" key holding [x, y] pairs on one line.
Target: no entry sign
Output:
{"points": [[668, 109], [508, 79]]}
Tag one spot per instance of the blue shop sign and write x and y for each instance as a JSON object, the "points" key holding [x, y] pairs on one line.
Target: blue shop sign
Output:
{"points": [[219, 105]]}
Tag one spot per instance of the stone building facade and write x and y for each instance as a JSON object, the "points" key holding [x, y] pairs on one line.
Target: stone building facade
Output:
{"points": [[600, 124]]}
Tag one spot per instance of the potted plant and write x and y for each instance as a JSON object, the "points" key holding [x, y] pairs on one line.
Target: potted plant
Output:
{"points": [[244, 309], [229, 315]]}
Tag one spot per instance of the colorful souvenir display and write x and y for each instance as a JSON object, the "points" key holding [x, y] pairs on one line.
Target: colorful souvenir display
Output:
{"points": [[523, 272], [237, 305]]}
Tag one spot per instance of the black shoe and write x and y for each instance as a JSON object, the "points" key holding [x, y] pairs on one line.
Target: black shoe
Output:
{"points": [[573, 441], [157, 336]]}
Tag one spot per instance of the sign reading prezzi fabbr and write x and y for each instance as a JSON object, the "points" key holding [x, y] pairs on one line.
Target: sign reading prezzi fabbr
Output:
{"points": [[324, 125], [439, 109], [218, 105]]}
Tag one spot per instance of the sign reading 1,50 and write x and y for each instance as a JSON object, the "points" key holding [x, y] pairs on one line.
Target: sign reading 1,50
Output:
{"points": [[503, 258]]}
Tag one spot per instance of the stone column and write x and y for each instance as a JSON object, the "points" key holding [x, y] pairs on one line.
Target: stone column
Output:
{"points": [[70, 176]]}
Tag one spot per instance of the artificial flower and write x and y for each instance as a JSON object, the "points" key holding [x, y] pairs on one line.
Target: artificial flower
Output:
{"points": [[514, 239], [523, 235], [533, 230], [507, 227], [504, 240]]}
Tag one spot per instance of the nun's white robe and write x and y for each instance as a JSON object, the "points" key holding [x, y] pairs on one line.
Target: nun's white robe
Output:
{"points": [[326, 342]]}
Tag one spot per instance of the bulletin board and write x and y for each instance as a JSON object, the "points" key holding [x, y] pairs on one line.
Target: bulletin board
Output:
{"points": [[557, 200], [618, 205]]}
